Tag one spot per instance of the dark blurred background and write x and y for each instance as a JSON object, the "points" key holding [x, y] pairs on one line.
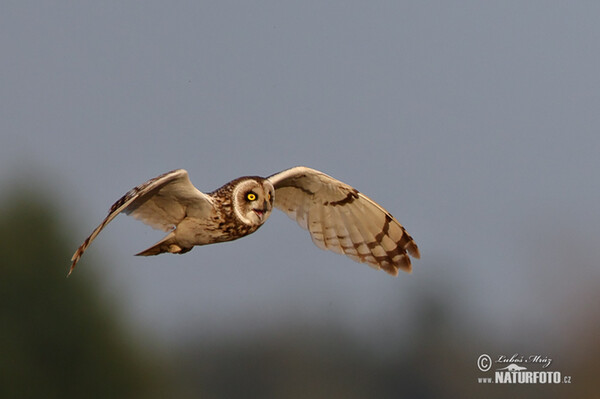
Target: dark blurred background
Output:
{"points": [[475, 124]]}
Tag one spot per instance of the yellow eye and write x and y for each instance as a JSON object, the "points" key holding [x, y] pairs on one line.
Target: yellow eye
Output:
{"points": [[251, 197]]}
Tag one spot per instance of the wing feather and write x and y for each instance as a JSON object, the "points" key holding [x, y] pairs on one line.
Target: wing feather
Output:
{"points": [[314, 224], [161, 202], [343, 220], [332, 230]]}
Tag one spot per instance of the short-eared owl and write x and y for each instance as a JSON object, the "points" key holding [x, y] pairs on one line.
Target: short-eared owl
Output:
{"points": [[338, 217]]}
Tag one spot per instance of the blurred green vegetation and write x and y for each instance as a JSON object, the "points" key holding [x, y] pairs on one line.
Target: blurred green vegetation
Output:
{"points": [[59, 338]]}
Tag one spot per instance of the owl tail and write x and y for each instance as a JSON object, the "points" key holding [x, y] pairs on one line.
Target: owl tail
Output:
{"points": [[167, 244]]}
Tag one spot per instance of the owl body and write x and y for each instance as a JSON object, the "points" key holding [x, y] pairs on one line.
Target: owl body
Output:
{"points": [[239, 208], [338, 217]]}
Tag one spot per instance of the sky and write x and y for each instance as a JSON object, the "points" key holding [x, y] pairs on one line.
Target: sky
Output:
{"points": [[474, 123]]}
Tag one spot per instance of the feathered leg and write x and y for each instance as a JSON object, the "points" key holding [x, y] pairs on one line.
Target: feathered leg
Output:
{"points": [[167, 244]]}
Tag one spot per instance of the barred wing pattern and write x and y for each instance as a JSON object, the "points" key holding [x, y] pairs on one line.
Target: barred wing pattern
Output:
{"points": [[341, 219], [161, 202]]}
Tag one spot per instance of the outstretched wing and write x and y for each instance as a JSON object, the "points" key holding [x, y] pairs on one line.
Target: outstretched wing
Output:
{"points": [[343, 220], [161, 202]]}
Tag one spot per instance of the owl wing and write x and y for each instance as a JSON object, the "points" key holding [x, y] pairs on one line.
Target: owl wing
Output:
{"points": [[161, 202], [343, 220]]}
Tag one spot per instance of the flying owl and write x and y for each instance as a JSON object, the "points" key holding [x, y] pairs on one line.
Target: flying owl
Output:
{"points": [[337, 216]]}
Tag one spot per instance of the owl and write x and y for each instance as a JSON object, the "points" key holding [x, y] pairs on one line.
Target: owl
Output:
{"points": [[338, 217]]}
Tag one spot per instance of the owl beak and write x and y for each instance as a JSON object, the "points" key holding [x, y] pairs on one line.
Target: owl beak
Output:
{"points": [[261, 212]]}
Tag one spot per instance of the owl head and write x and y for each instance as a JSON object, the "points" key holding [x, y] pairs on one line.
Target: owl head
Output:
{"points": [[252, 199]]}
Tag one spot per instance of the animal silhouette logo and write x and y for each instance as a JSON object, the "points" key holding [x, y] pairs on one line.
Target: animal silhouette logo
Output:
{"points": [[513, 367]]}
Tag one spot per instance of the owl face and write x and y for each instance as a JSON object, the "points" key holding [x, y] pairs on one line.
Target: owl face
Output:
{"points": [[253, 200]]}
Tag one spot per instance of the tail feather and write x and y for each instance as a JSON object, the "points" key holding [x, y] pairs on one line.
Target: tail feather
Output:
{"points": [[168, 244]]}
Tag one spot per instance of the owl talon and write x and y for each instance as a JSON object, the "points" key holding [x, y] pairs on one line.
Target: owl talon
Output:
{"points": [[174, 249]]}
